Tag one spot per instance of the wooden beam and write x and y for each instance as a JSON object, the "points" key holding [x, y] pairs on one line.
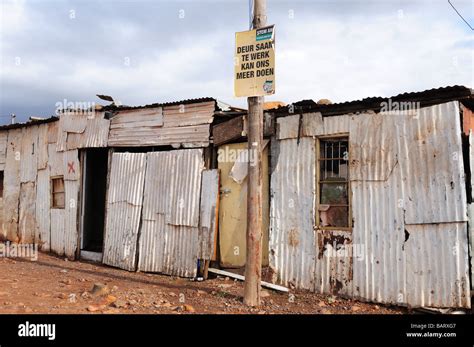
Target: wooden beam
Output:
{"points": [[242, 278]]}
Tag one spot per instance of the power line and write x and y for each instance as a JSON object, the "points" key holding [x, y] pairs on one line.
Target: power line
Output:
{"points": [[465, 21]]}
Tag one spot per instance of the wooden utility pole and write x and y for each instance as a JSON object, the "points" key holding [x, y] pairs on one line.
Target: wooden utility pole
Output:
{"points": [[253, 265]]}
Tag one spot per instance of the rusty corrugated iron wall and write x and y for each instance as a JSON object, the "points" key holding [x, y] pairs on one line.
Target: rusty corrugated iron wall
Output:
{"points": [[409, 237]]}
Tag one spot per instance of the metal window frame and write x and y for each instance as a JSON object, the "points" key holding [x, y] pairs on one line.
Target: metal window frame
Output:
{"points": [[320, 139]]}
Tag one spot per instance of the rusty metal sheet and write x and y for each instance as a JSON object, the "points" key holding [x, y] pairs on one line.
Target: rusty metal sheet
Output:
{"points": [[186, 187], [190, 136], [57, 231], [27, 213], [53, 129], [43, 205], [139, 126], [430, 156], [333, 269], [292, 239], [437, 265], [123, 212], [373, 147], [95, 134], [402, 209], [3, 148], [55, 161], [73, 122], [29, 154], [12, 185], [378, 236], [169, 240], [42, 147], [189, 114]]}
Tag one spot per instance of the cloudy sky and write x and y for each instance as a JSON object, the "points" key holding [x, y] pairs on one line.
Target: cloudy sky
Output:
{"points": [[155, 51]]}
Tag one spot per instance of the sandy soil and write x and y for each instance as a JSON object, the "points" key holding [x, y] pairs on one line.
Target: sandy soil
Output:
{"points": [[54, 285]]}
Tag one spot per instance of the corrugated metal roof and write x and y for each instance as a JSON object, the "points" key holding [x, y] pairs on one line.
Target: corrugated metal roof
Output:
{"points": [[426, 98], [160, 104], [29, 123]]}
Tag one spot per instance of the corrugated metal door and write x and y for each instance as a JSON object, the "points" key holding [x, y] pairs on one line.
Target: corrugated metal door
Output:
{"points": [[124, 205], [170, 234]]}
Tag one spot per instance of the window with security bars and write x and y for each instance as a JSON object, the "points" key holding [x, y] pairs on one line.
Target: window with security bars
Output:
{"points": [[333, 183]]}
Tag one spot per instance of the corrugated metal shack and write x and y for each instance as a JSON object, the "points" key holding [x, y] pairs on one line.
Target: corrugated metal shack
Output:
{"points": [[363, 198], [371, 200], [128, 186]]}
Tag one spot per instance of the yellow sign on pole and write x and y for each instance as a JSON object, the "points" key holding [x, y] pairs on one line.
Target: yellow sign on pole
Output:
{"points": [[254, 72]]}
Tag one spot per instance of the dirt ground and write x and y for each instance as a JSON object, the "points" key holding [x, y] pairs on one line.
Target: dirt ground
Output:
{"points": [[54, 285]]}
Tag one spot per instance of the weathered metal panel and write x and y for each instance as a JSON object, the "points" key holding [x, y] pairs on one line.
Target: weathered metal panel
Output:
{"points": [[27, 213], [57, 231], [186, 187], [71, 165], [3, 149], [53, 129], [338, 125], [288, 127], [437, 265], [168, 249], [55, 161], [432, 165], [208, 214], [29, 154], [70, 218], [12, 185], [378, 237], [137, 126], [42, 146], [169, 240], [196, 135], [333, 268], [124, 205], [95, 135], [471, 239], [43, 205], [292, 238], [186, 125], [73, 122], [189, 114], [373, 147]]}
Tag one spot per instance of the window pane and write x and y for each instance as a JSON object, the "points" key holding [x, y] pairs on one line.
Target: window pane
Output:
{"points": [[58, 200], [58, 185], [337, 170], [333, 193], [333, 148], [334, 216]]}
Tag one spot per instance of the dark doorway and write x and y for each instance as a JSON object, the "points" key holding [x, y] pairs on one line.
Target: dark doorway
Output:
{"points": [[93, 208]]}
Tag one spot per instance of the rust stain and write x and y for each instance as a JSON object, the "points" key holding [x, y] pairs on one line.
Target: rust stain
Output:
{"points": [[293, 238]]}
